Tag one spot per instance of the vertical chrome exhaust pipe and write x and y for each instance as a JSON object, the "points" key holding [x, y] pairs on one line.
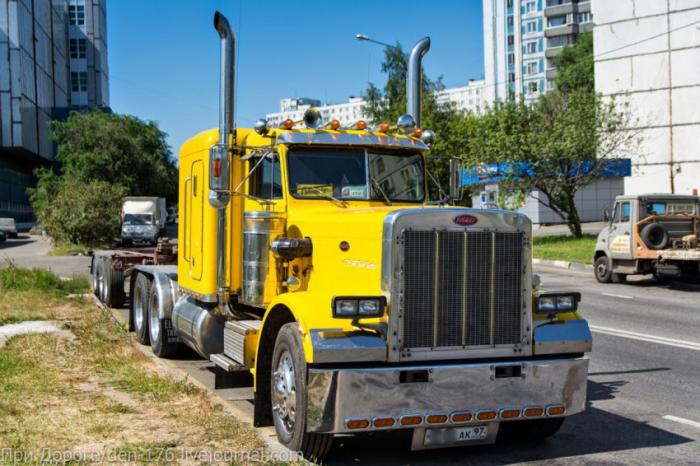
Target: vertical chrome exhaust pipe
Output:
{"points": [[220, 154], [414, 86]]}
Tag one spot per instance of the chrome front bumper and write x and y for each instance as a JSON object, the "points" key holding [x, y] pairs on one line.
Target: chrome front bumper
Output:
{"points": [[339, 395]]}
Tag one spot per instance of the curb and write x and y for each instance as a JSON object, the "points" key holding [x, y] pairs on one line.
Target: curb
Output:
{"points": [[267, 434], [573, 266]]}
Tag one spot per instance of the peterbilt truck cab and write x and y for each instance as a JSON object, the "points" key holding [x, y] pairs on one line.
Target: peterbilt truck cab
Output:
{"points": [[310, 256]]}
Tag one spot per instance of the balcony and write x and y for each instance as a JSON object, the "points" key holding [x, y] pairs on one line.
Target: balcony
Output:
{"points": [[559, 10], [565, 30]]}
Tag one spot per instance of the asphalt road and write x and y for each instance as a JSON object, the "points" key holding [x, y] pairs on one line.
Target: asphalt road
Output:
{"points": [[643, 390]]}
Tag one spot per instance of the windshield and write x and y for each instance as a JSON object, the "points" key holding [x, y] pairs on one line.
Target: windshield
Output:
{"points": [[356, 175], [138, 219]]}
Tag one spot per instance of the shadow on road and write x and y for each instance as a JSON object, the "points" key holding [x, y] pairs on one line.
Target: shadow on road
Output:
{"points": [[593, 431], [13, 243]]}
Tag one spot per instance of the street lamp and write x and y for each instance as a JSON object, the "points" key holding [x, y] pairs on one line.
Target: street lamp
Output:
{"points": [[366, 38]]}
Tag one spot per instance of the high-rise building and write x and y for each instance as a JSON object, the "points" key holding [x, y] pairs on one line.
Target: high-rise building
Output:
{"points": [[647, 55], [521, 38], [53, 57]]}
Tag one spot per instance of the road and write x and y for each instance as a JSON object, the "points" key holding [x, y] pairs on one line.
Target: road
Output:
{"points": [[643, 391], [32, 251]]}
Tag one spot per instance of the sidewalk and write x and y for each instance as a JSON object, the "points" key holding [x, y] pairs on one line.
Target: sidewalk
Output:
{"points": [[590, 228]]}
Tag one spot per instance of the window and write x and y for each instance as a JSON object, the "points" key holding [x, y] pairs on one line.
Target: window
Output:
{"points": [[266, 181], [531, 47], [625, 212], [509, 3], [530, 7], [586, 17], [354, 175], [78, 81], [511, 77], [533, 87], [531, 26], [510, 21], [511, 59], [555, 21], [560, 41], [533, 67], [511, 40], [78, 48], [76, 14]]}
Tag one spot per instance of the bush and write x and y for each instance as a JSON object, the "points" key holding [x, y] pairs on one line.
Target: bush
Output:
{"points": [[14, 278], [83, 213]]}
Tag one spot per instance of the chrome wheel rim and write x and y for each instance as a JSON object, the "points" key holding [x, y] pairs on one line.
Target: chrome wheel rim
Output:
{"points": [[100, 282], [154, 322], [284, 396], [138, 308]]}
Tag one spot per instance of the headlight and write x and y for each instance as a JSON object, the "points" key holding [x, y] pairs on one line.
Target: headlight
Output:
{"points": [[558, 302], [358, 307]]}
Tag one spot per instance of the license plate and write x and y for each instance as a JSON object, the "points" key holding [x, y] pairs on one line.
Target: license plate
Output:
{"points": [[467, 434]]}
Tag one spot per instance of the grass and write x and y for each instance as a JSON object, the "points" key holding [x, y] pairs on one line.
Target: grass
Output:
{"points": [[566, 248], [69, 249], [91, 392]]}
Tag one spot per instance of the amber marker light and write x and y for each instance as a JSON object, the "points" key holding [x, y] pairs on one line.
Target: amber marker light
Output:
{"points": [[384, 128], [288, 123], [417, 133], [357, 424], [486, 415], [510, 413], [384, 422], [362, 124], [436, 419], [411, 420], [533, 412], [334, 124], [556, 410], [462, 417]]}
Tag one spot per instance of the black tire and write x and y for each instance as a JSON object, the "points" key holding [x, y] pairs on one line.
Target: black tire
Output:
{"points": [[160, 331], [139, 308], [603, 269], [114, 295], [289, 402], [655, 236], [535, 429], [96, 275]]}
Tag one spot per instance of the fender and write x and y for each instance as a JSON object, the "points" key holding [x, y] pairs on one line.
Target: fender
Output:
{"points": [[165, 283]]}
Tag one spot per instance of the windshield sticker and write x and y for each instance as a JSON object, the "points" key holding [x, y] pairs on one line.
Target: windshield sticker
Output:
{"points": [[355, 192], [315, 190]]}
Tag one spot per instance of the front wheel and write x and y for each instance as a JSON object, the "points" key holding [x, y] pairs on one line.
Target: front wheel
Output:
{"points": [[603, 270], [289, 396]]}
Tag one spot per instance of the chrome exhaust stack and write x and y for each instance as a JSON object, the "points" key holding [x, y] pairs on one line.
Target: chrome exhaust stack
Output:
{"points": [[414, 85], [220, 154]]}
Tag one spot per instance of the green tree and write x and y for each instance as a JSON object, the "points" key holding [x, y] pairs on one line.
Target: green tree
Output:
{"points": [[575, 65], [88, 214], [118, 149]]}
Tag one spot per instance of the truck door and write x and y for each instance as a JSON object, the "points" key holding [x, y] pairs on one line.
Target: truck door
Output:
{"points": [[620, 239], [194, 222]]}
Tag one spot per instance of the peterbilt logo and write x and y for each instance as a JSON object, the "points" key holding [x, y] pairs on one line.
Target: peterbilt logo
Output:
{"points": [[465, 220]]}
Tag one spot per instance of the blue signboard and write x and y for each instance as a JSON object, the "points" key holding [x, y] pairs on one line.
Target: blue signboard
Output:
{"points": [[493, 173]]}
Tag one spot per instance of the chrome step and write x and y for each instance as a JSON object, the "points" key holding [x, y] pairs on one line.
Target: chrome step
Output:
{"points": [[235, 334], [226, 363]]}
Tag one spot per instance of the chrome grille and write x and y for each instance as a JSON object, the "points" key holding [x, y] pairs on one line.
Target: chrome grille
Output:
{"points": [[461, 288]]}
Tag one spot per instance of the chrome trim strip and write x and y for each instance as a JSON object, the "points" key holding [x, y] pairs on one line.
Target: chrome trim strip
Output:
{"points": [[492, 291], [336, 346], [436, 277], [333, 138]]}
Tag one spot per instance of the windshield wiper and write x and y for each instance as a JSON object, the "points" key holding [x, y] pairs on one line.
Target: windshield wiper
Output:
{"points": [[377, 187], [324, 195]]}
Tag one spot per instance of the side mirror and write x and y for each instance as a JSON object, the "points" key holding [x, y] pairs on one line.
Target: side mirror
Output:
{"points": [[456, 191], [606, 215], [219, 168]]}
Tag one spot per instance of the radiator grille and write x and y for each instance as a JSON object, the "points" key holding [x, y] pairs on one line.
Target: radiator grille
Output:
{"points": [[461, 288]]}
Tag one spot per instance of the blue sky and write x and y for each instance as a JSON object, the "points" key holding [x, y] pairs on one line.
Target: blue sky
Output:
{"points": [[163, 54]]}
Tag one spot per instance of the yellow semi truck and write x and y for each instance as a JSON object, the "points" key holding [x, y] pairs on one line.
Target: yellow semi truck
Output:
{"points": [[310, 256]]}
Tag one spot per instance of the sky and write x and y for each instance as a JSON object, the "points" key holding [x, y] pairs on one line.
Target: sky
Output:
{"points": [[164, 54]]}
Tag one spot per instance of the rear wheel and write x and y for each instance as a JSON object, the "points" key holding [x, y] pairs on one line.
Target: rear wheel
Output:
{"points": [[288, 393], [158, 328], [603, 269], [113, 295], [142, 289], [535, 429]]}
